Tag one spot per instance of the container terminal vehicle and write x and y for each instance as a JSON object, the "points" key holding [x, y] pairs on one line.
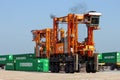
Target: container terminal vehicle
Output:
{"points": [[109, 59], [65, 51]]}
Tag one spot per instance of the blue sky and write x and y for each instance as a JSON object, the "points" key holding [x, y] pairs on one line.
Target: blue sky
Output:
{"points": [[19, 17]]}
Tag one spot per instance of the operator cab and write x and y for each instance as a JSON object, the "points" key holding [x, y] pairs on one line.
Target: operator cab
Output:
{"points": [[92, 19]]}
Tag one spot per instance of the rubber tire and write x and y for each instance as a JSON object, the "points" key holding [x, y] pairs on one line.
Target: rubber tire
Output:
{"points": [[67, 68], [88, 67], [2, 67], [52, 67], [92, 68], [71, 68], [112, 67], [57, 67], [118, 68], [78, 68]]}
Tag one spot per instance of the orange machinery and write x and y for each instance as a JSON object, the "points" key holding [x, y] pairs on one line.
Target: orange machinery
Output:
{"points": [[72, 20], [67, 52], [74, 52], [42, 39]]}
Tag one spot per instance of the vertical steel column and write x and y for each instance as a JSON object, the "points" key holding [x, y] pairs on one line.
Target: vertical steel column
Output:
{"points": [[47, 43], [37, 44], [69, 33], [76, 34], [55, 35], [90, 40]]}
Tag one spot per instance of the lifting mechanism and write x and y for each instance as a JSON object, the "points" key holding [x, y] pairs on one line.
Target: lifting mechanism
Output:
{"points": [[66, 52]]}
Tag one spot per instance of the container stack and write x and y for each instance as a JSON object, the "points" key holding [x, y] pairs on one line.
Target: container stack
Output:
{"points": [[40, 65], [24, 62]]}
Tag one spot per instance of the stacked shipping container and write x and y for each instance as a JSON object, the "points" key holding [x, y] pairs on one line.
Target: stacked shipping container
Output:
{"points": [[41, 65], [111, 59], [24, 62], [4, 59], [10, 64]]}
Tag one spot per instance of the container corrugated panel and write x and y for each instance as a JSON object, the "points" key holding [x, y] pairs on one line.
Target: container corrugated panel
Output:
{"points": [[31, 55], [118, 57], [23, 56], [45, 64], [99, 56], [100, 60], [5, 58], [28, 65], [10, 65], [109, 57], [40, 65]]}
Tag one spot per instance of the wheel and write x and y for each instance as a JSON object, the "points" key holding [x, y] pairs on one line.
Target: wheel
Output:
{"points": [[118, 68], [71, 68], [90, 65], [112, 67], [2, 67], [52, 67], [92, 68], [67, 68], [57, 67], [78, 68], [88, 68]]}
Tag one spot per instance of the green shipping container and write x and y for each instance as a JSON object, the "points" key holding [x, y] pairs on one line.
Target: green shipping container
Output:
{"points": [[5, 58], [100, 60], [99, 56], [109, 57], [10, 65], [40, 65], [118, 57], [23, 56], [45, 65]]}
